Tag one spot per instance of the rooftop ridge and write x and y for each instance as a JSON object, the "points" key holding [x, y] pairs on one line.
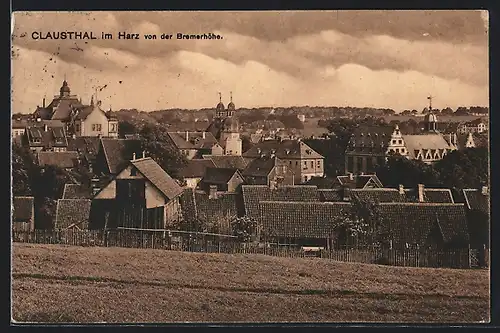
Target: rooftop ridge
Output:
{"points": [[422, 203], [323, 203]]}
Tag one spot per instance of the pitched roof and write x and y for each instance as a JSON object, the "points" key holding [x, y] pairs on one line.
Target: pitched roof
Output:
{"points": [[76, 191], [424, 141], [322, 182], [84, 111], [475, 199], [118, 152], [379, 195], [359, 181], [284, 149], [227, 161], [370, 138], [301, 219], [157, 176], [196, 168], [218, 175], [194, 140], [72, 212], [23, 208], [475, 122], [332, 195], [64, 159], [85, 145], [52, 137], [434, 195], [412, 222], [224, 204], [63, 107], [254, 194], [262, 166]]}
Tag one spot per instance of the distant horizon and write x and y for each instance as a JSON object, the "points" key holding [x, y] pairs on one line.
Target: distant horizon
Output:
{"points": [[388, 59]]}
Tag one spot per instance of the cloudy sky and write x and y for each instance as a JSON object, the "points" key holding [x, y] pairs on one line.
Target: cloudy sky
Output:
{"points": [[388, 59]]}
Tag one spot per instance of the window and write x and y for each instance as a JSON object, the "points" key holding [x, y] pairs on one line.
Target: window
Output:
{"points": [[113, 127], [296, 163], [305, 164], [133, 172], [96, 127], [312, 164], [77, 128], [400, 141], [397, 150], [393, 142]]}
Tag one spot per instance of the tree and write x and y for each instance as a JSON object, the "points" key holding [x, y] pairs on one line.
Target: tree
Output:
{"points": [[466, 168], [462, 111], [447, 111], [157, 144], [399, 170], [125, 127], [23, 171], [245, 228]]}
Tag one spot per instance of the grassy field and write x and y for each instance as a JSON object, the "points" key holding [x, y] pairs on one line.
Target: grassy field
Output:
{"points": [[53, 283]]}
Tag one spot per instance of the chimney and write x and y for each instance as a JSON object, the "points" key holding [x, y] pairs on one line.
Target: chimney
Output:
{"points": [[187, 135], [212, 192], [203, 135], [346, 193], [351, 176], [421, 193], [401, 189], [133, 157], [143, 154], [484, 190], [43, 103]]}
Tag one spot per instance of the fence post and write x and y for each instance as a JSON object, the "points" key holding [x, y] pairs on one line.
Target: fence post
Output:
{"points": [[469, 255]]}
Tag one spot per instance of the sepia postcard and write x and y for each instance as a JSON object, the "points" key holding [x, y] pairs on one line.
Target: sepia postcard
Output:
{"points": [[250, 167]]}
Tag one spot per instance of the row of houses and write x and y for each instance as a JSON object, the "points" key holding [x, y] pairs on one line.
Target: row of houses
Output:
{"points": [[142, 195]]}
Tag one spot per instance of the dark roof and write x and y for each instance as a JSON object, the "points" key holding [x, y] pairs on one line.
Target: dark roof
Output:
{"points": [[188, 204], [379, 195], [119, 152], [475, 199], [194, 140], [52, 137], [218, 175], [23, 208], [63, 107], [224, 204], [64, 159], [412, 222], [480, 139], [88, 146], [72, 212], [434, 195], [301, 219], [196, 168], [359, 181], [76, 191], [262, 166], [227, 161], [332, 195], [158, 177], [284, 149], [253, 194], [370, 139], [322, 182]]}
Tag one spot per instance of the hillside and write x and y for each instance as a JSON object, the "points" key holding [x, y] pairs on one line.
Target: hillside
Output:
{"points": [[79, 284]]}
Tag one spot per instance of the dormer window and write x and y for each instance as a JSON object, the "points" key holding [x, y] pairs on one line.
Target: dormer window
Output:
{"points": [[133, 171]]}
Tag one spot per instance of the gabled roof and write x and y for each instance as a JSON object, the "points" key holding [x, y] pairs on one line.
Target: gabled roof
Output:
{"points": [[194, 140], [118, 152], [332, 195], [64, 159], [322, 182], [424, 141], [84, 111], [301, 219], [23, 208], [254, 194], [284, 149], [196, 168], [227, 161], [72, 212], [52, 137], [85, 145], [262, 166], [63, 107], [434, 195], [219, 175], [370, 138], [412, 222], [158, 177], [379, 195], [360, 181], [475, 199], [76, 191]]}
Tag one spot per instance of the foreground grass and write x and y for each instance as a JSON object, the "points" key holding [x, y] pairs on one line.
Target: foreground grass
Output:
{"points": [[54, 283]]}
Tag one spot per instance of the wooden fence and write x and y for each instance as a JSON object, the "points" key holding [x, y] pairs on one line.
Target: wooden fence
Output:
{"points": [[212, 243]]}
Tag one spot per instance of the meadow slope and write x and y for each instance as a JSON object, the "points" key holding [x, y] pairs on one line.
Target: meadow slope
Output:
{"points": [[53, 283]]}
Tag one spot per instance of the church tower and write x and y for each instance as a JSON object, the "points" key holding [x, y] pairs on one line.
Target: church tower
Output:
{"points": [[231, 132], [430, 119], [220, 111], [64, 92]]}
